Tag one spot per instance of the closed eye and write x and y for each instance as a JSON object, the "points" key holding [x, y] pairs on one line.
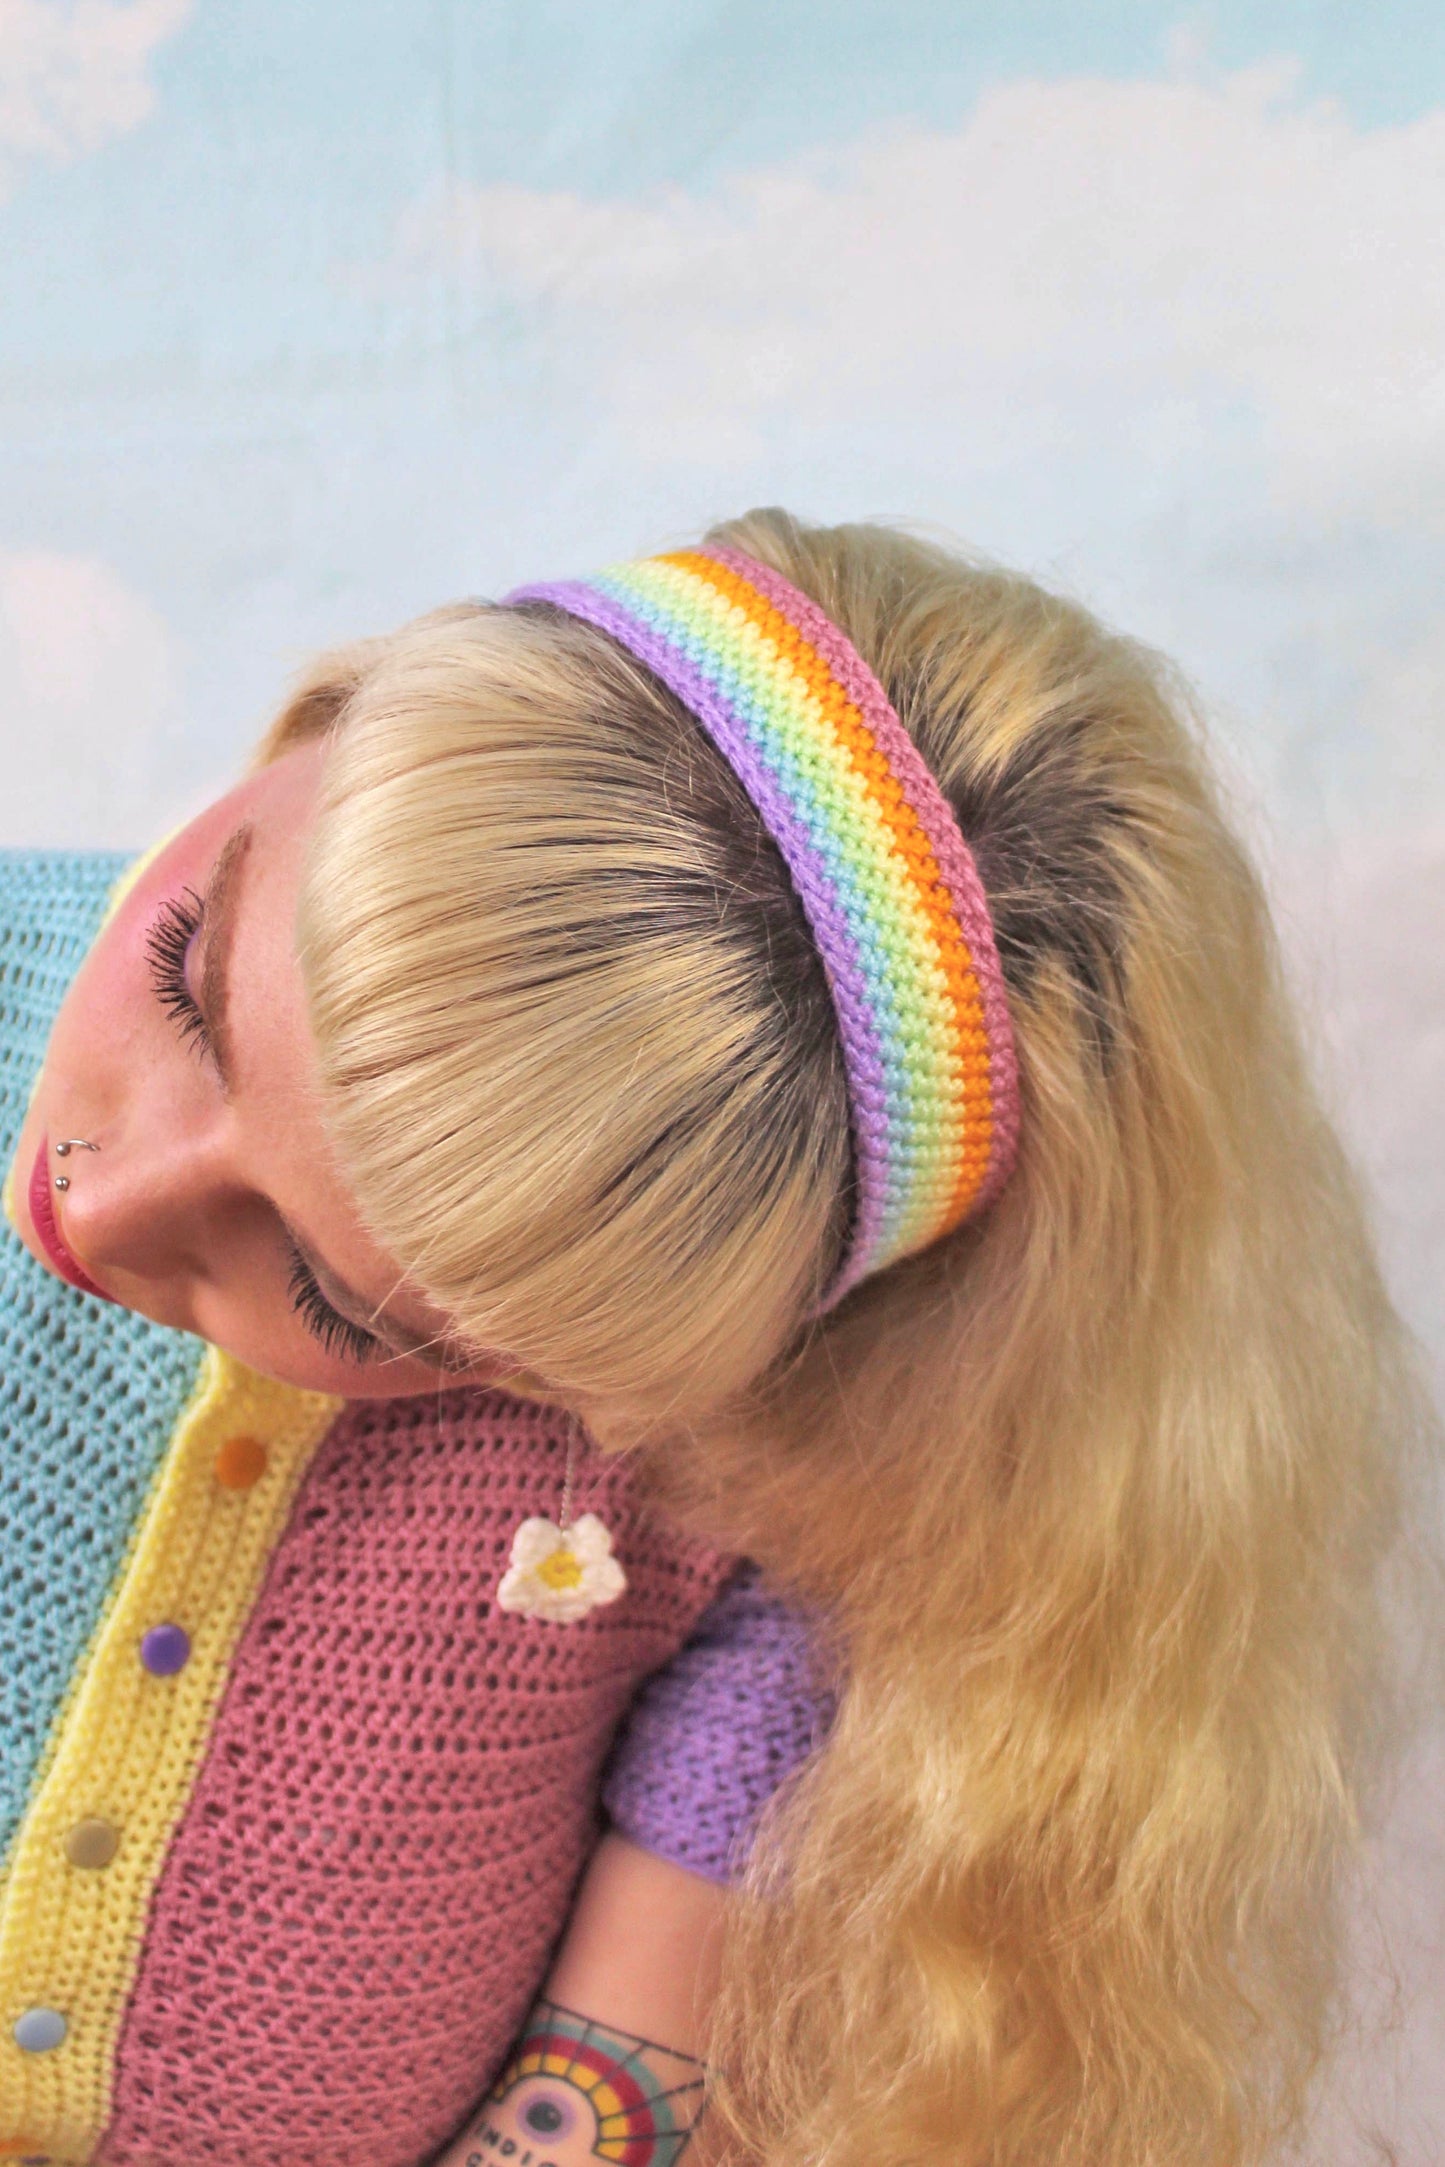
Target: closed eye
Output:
{"points": [[338, 1335], [168, 944]]}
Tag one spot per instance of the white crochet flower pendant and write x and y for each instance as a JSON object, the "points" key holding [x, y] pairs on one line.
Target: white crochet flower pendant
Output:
{"points": [[561, 1573]]}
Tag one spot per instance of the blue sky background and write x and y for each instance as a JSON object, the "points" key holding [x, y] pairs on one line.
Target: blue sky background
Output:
{"points": [[217, 378], [312, 316]]}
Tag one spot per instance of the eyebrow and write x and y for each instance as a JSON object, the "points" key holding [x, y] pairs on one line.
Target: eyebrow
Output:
{"points": [[218, 923]]}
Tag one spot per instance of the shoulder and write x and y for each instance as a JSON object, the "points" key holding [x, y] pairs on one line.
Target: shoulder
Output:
{"points": [[458, 1475]]}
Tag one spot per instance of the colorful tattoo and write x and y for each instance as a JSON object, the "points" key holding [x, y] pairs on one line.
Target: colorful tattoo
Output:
{"points": [[573, 2083]]}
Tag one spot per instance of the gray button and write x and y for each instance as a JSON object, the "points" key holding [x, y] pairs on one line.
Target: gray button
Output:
{"points": [[39, 2030]]}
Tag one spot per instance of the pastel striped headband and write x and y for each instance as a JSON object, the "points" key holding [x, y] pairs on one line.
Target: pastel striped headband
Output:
{"points": [[887, 881]]}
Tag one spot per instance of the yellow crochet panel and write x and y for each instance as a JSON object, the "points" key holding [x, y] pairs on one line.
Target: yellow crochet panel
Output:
{"points": [[128, 1746]]}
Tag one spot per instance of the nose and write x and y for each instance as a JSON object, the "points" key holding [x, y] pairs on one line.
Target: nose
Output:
{"points": [[152, 1201]]}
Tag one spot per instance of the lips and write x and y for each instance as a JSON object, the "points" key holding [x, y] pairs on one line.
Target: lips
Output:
{"points": [[42, 1218]]}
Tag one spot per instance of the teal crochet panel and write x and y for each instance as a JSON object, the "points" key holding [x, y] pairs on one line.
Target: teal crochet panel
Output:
{"points": [[89, 1394]]}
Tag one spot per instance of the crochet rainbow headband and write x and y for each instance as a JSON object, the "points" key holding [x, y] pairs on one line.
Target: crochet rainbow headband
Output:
{"points": [[888, 883]]}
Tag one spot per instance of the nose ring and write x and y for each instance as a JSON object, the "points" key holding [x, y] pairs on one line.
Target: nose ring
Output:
{"points": [[63, 1149]]}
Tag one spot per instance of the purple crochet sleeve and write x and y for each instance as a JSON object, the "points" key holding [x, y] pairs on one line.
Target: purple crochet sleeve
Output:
{"points": [[713, 1734]]}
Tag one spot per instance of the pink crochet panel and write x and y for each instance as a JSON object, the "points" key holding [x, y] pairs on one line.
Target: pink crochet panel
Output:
{"points": [[396, 1801]]}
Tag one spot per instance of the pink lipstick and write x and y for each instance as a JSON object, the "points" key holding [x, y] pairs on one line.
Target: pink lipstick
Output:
{"points": [[47, 1231]]}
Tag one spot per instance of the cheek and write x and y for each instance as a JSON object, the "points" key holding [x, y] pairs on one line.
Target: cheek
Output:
{"points": [[105, 1011], [110, 1024]]}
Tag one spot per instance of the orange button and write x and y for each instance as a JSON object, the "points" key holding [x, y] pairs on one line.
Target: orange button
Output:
{"points": [[19, 2148], [241, 1462]]}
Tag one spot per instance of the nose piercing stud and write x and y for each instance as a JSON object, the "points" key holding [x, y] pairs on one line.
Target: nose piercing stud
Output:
{"points": [[63, 1149]]}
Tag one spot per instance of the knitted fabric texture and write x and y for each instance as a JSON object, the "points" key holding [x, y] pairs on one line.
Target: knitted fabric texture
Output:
{"points": [[340, 1836], [888, 883], [747, 1651]]}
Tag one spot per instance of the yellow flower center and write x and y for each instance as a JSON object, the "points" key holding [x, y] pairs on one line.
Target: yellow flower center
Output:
{"points": [[560, 1570]]}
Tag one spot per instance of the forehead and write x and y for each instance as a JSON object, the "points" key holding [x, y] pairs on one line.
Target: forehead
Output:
{"points": [[276, 1101], [257, 835], [279, 802]]}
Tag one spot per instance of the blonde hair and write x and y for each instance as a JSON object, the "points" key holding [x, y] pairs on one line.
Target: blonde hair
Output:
{"points": [[1096, 1497]]}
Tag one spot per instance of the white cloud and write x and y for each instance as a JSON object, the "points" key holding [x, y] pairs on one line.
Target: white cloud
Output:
{"points": [[1359, 921], [73, 73], [88, 705], [1135, 257]]}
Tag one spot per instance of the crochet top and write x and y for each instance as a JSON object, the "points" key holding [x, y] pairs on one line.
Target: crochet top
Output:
{"points": [[291, 1812]]}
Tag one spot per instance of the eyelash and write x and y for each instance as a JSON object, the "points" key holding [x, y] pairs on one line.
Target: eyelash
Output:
{"points": [[168, 943], [337, 1334]]}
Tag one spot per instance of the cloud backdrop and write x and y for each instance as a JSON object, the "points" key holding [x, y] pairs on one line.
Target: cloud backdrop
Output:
{"points": [[313, 316], [74, 75]]}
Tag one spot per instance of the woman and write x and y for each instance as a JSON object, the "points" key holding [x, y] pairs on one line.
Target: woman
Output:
{"points": [[795, 1010]]}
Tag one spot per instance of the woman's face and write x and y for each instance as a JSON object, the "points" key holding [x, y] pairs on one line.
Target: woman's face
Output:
{"points": [[184, 1053]]}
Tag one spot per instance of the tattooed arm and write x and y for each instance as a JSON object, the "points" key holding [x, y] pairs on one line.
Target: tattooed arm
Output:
{"points": [[606, 2067]]}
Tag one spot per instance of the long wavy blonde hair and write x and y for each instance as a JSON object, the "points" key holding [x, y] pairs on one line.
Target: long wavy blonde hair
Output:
{"points": [[1096, 1498]]}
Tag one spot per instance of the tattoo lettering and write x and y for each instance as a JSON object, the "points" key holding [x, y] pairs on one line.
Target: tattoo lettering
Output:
{"points": [[576, 2091]]}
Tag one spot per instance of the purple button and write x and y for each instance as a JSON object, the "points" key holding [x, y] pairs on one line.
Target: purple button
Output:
{"points": [[165, 1650]]}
